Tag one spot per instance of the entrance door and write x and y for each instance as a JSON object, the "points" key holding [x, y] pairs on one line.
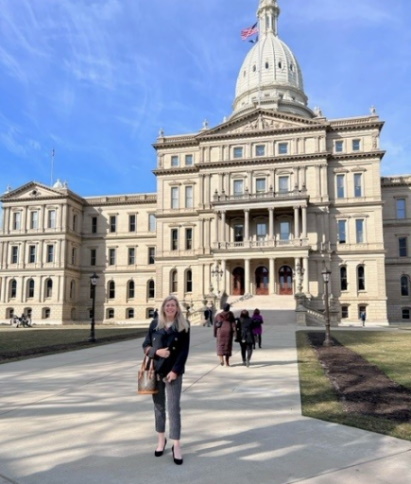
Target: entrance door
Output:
{"points": [[286, 280], [238, 281], [261, 281]]}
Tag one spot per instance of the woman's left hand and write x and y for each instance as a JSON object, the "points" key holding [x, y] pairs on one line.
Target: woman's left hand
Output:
{"points": [[171, 376]]}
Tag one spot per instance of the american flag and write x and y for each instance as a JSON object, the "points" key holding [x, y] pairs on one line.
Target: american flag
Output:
{"points": [[249, 32]]}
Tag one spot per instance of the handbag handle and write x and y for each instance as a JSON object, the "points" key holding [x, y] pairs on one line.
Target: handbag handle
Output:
{"points": [[147, 364]]}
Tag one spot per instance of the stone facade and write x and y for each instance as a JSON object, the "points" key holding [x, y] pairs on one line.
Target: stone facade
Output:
{"points": [[252, 209]]}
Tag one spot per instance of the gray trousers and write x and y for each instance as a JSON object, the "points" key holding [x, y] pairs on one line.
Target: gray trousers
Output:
{"points": [[172, 393]]}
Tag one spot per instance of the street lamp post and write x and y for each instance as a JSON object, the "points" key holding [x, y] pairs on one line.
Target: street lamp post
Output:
{"points": [[218, 273], [326, 277], [93, 282]]}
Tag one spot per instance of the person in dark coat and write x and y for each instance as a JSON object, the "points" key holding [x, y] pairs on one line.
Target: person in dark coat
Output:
{"points": [[257, 326], [245, 336], [168, 342], [224, 331]]}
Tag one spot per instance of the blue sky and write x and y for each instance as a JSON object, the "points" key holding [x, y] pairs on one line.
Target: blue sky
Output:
{"points": [[95, 80]]}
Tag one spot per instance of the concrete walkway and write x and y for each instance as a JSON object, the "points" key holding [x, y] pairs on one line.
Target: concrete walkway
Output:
{"points": [[75, 418]]}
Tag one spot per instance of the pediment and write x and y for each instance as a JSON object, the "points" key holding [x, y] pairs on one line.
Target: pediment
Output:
{"points": [[261, 120], [33, 191]]}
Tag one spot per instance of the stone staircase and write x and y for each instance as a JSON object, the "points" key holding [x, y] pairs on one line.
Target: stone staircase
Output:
{"points": [[272, 302]]}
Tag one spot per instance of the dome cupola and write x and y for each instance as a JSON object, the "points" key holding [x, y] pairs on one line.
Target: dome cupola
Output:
{"points": [[270, 76]]}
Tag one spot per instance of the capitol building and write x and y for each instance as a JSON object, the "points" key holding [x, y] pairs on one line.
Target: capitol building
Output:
{"points": [[251, 211]]}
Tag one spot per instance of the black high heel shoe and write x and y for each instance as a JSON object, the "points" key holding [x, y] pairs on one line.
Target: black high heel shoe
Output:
{"points": [[159, 453], [176, 461]]}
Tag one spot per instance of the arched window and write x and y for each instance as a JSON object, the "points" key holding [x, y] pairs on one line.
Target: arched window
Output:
{"points": [[110, 313], [343, 278], [13, 288], [111, 290], [151, 289], [131, 289], [361, 278], [30, 288], [129, 313], [405, 286], [174, 281], [45, 313], [189, 281], [49, 288]]}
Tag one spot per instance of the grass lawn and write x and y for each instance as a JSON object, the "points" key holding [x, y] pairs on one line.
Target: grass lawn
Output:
{"points": [[19, 343], [389, 350]]}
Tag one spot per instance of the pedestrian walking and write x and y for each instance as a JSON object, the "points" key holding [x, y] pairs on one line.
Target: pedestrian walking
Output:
{"points": [[224, 331], [245, 336], [167, 342], [258, 321]]}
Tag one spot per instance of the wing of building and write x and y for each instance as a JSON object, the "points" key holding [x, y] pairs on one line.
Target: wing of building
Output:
{"points": [[250, 211]]}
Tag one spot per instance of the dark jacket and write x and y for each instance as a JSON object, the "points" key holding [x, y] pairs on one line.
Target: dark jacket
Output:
{"points": [[245, 327], [178, 342]]}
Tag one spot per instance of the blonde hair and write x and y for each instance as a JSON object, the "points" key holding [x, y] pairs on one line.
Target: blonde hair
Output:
{"points": [[180, 321]]}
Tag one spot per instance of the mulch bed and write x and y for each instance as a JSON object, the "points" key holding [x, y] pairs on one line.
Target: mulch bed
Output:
{"points": [[361, 386]]}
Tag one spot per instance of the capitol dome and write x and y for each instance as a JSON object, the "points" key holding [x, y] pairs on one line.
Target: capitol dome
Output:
{"points": [[270, 76]]}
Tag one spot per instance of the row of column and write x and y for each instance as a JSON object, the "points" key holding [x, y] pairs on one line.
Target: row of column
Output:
{"points": [[40, 256], [221, 279], [39, 288], [61, 224], [300, 224]]}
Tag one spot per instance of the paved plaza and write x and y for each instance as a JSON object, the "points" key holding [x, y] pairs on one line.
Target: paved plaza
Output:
{"points": [[76, 418]]}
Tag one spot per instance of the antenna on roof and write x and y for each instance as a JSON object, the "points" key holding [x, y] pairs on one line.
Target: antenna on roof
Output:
{"points": [[52, 166]]}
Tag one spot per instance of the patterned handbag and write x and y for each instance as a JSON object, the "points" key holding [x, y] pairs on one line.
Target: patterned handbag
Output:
{"points": [[147, 377]]}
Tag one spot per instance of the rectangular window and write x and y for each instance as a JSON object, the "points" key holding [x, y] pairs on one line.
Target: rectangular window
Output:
{"points": [[111, 257], [151, 255], [174, 160], [34, 220], [93, 225], [93, 257], [340, 186], [189, 239], [113, 223], [132, 223], [189, 202], [131, 256], [174, 197], [260, 185], [344, 312], [260, 150], [74, 223], [402, 247], [189, 160], [261, 231], [356, 145], [284, 230], [282, 148], [406, 313], [51, 219], [73, 256], [359, 231], [357, 185], [151, 223], [14, 254], [50, 253], [238, 186], [339, 145], [238, 152], [400, 208], [174, 239], [238, 233], [16, 220], [283, 184], [342, 231], [32, 254]]}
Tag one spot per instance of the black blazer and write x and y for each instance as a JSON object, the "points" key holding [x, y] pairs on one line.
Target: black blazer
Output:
{"points": [[178, 342]]}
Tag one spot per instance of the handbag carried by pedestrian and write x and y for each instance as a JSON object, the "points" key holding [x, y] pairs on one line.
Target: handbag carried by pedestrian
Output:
{"points": [[147, 377]]}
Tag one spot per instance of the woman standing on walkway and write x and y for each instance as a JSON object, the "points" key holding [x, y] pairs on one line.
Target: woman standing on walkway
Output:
{"points": [[245, 336], [257, 326], [167, 342], [224, 330]]}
